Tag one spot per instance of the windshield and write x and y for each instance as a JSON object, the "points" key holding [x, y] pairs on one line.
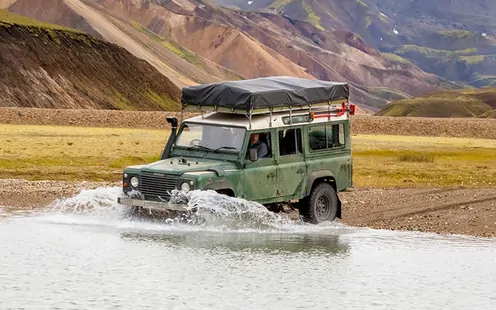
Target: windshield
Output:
{"points": [[211, 137]]}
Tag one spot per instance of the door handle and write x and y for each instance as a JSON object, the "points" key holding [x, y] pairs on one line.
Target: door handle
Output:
{"points": [[300, 171], [271, 175]]}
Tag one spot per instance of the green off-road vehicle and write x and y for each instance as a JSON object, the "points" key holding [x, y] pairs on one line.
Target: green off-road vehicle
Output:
{"points": [[274, 140]]}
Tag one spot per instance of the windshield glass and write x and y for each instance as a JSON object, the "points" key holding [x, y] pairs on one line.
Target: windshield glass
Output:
{"points": [[211, 137]]}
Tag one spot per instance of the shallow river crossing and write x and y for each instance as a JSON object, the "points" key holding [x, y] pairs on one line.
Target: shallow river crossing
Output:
{"points": [[86, 253]]}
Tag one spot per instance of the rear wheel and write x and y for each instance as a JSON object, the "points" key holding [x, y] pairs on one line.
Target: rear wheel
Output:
{"points": [[321, 205]]}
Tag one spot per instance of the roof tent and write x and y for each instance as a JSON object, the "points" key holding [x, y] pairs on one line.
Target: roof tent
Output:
{"points": [[261, 95], [265, 95]]}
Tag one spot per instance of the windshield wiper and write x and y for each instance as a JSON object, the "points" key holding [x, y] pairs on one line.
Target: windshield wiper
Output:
{"points": [[225, 147], [199, 146]]}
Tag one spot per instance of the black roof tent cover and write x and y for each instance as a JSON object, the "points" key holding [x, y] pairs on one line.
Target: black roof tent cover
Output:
{"points": [[261, 93]]}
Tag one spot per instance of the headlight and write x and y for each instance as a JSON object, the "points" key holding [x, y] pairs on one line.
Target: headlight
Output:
{"points": [[185, 187], [134, 182]]}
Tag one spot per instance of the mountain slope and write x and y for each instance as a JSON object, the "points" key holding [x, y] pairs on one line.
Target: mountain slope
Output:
{"points": [[47, 66], [156, 51]]}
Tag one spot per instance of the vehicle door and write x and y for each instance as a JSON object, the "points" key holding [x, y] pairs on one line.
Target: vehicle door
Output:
{"points": [[260, 175], [291, 168]]}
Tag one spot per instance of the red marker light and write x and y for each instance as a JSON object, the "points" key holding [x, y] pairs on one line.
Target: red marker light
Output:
{"points": [[352, 109]]}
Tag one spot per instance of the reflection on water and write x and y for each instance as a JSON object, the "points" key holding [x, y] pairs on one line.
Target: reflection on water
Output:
{"points": [[86, 253], [247, 242]]}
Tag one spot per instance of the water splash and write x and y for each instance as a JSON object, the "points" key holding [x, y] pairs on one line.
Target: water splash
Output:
{"points": [[213, 212], [214, 209], [100, 201]]}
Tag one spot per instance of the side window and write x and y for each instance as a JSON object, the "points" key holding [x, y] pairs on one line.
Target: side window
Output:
{"points": [[261, 141], [326, 137], [290, 141]]}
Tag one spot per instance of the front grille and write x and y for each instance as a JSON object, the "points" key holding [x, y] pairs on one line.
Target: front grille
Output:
{"points": [[154, 185]]}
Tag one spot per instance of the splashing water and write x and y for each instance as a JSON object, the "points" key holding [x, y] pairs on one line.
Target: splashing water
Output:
{"points": [[211, 211], [99, 201], [214, 209]]}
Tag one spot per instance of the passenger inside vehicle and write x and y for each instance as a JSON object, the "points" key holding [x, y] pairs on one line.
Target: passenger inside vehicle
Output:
{"points": [[259, 141]]}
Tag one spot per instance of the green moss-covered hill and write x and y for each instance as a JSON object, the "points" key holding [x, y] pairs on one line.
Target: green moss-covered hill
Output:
{"points": [[455, 103], [50, 66]]}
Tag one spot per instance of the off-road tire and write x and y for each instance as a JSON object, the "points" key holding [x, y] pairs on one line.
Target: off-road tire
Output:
{"points": [[321, 205]]}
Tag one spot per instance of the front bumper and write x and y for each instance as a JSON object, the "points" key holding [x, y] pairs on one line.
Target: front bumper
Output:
{"points": [[152, 205]]}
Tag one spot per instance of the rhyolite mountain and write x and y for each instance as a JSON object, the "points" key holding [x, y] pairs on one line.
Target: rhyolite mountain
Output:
{"points": [[454, 39], [386, 50]]}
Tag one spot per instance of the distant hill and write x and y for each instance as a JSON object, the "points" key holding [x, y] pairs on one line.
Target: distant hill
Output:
{"points": [[455, 103], [49, 66]]}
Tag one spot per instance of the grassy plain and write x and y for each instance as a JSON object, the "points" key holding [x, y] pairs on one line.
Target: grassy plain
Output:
{"points": [[99, 154]]}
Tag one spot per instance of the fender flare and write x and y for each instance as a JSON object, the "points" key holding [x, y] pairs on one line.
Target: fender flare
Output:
{"points": [[315, 175], [220, 185]]}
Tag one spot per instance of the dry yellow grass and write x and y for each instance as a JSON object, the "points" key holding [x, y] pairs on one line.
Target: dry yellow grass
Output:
{"points": [[75, 153], [93, 154], [406, 161]]}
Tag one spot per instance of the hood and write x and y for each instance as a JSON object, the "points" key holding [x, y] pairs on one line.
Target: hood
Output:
{"points": [[180, 165]]}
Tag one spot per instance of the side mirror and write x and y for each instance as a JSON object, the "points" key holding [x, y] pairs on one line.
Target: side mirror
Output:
{"points": [[253, 155]]}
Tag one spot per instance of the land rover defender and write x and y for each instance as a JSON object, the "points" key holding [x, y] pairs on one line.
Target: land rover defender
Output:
{"points": [[273, 140]]}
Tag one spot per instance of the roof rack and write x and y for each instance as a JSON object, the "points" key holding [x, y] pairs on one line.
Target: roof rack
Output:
{"points": [[267, 95]]}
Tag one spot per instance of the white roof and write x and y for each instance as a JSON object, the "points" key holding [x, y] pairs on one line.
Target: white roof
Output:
{"points": [[262, 121]]}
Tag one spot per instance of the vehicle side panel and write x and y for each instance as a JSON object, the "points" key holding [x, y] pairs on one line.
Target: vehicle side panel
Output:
{"points": [[336, 162]]}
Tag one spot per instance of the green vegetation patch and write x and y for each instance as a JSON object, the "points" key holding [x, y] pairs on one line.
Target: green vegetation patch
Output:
{"points": [[434, 53], [368, 21], [387, 93], [311, 17], [362, 3], [121, 102], [170, 45], [396, 58], [458, 34], [165, 102], [36, 28], [489, 114], [9, 18], [280, 4], [472, 60]]}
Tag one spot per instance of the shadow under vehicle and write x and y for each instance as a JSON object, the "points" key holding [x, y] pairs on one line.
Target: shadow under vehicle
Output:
{"points": [[274, 140]]}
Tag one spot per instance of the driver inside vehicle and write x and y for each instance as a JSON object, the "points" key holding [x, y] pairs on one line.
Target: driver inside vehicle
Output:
{"points": [[259, 145]]}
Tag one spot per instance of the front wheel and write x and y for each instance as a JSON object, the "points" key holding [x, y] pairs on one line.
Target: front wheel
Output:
{"points": [[321, 205]]}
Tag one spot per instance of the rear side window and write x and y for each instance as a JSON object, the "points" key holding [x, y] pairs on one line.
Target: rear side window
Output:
{"points": [[325, 137], [290, 141]]}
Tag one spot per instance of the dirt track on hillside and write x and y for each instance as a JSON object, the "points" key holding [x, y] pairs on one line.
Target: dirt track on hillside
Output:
{"points": [[444, 211], [361, 124]]}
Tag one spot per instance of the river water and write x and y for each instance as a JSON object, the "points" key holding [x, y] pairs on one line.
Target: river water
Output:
{"points": [[86, 253]]}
